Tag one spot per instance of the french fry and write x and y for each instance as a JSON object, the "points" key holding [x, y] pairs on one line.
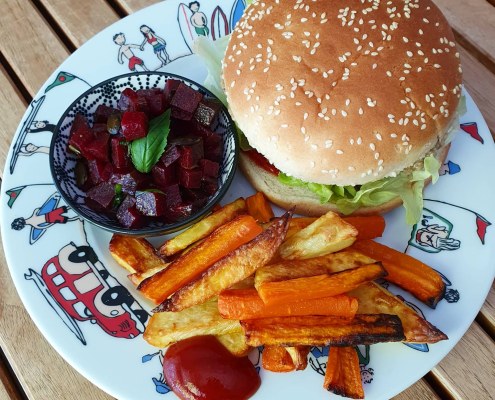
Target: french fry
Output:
{"points": [[163, 329], [203, 228], [297, 224], [235, 342], [247, 304], [259, 208], [234, 267], [277, 359], [292, 269], [184, 269], [136, 255], [299, 355], [343, 374], [316, 330], [328, 234], [410, 274], [373, 299], [319, 286], [138, 277]]}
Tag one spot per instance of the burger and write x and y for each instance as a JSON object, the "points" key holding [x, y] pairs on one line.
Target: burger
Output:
{"points": [[346, 105]]}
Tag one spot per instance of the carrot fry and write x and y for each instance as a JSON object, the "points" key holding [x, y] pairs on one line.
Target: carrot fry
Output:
{"points": [[343, 374], [277, 359], [368, 227], [138, 277], [185, 268], [410, 274], [323, 330], [259, 208], [245, 304], [318, 286]]}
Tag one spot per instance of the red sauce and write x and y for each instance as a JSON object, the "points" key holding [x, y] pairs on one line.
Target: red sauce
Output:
{"points": [[262, 162], [202, 368]]}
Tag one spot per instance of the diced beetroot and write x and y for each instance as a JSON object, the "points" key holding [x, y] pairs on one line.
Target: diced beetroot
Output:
{"points": [[170, 156], [134, 125], [155, 101], [209, 168], [98, 171], [80, 134], [213, 147], [173, 195], [132, 181], [170, 89], [203, 131], [99, 128], [130, 101], [98, 148], [179, 211], [120, 154], [190, 178], [164, 176], [197, 196], [185, 102], [102, 113], [128, 215], [180, 128], [207, 112], [209, 185], [152, 204], [102, 194], [191, 154]]}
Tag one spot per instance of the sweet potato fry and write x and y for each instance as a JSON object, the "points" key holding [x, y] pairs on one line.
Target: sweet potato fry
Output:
{"points": [[247, 304], [138, 277], [277, 359], [259, 208], [373, 299], [410, 274], [343, 374], [328, 234], [292, 269], [166, 328], [299, 355], [136, 255], [234, 267], [316, 287], [203, 228], [317, 330], [184, 269], [235, 342]]}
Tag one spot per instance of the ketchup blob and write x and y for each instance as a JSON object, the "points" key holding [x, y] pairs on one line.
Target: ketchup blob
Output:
{"points": [[202, 368], [260, 160]]}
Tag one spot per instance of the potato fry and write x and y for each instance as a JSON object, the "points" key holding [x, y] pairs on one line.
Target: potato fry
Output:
{"points": [[374, 299], [163, 329], [203, 228], [235, 342], [259, 208], [299, 355], [319, 286], [234, 267], [138, 277], [328, 234], [343, 374], [136, 255], [316, 330], [410, 274], [277, 359], [293, 269], [184, 269]]}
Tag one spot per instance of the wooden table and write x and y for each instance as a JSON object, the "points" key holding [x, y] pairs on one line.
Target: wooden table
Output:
{"points": [[29, 366]]}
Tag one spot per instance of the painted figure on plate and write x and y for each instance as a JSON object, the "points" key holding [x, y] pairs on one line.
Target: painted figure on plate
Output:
{"points": [[159, 44], [41, 126], [198, 19], [125, 50], [29, 149]]}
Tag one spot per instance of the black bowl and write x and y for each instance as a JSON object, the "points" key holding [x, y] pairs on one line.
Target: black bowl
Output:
{"points": [[63, 162]]}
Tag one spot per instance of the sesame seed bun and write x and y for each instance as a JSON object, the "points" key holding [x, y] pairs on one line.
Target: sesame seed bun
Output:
{"points": [[341, 92]]}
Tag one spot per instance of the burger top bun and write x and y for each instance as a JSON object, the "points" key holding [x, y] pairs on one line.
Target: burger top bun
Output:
{"points": [[344, 91]]}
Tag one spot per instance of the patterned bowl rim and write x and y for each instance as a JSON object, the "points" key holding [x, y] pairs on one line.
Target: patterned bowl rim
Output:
{"points": [[166, 228]]}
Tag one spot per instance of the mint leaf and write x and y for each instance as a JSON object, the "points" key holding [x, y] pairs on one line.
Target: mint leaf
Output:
{"points": [[146, 151]]}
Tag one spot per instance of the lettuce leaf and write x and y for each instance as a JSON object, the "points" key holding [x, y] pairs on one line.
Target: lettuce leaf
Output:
{"points": [[407, 185]]}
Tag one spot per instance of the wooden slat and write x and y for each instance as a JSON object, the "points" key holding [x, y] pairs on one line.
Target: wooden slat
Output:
{"points": [[8, 389], [474, 22], [11, 100], [487, 313], [28, 44], [467, 372], [419, 391], [67, 14], [130, 6]]}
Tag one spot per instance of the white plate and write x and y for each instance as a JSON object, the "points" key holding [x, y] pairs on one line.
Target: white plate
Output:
{"points": [[458, 212]]}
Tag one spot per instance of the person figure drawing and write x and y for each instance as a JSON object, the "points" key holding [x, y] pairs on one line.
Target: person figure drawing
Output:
{"points": [[125, 51], [198, 19], [159, 44]]}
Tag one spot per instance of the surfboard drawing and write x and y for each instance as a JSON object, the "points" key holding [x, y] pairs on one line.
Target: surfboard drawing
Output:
{"points": [[236, 13], [186, 28], [219, 24], [49, 205]]}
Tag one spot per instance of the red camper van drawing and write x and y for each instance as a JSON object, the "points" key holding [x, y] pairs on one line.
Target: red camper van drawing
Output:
{"points": [[79, 288]]}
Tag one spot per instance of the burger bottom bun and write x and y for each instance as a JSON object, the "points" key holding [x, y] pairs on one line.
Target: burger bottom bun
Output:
{"points": [[302, 199]]}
